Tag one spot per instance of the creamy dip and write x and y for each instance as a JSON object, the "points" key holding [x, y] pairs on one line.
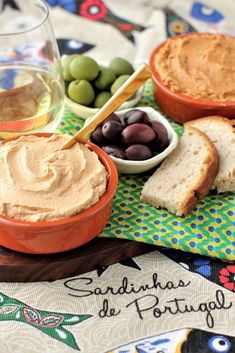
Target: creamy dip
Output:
{"points": [[40, 182], [200, 66]]}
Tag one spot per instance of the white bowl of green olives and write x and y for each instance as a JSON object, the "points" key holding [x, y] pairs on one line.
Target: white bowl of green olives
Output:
{"points": [[90, 85], [136, 139]]}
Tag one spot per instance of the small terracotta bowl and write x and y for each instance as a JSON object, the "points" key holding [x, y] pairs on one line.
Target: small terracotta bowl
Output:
{"points": [[67, 233], [182, 108]]}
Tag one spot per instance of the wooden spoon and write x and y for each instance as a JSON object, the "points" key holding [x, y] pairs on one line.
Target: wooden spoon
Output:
{"points": [[123, 93]]}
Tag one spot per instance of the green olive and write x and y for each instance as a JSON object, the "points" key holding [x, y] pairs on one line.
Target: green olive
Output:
{"points": [[121, 66], [101, 99], [105, 79], [65, 61], [118, 83], [81, 91], [84, 68]]}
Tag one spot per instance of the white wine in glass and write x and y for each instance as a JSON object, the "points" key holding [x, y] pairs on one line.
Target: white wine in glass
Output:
{"points": [[31, 84]]}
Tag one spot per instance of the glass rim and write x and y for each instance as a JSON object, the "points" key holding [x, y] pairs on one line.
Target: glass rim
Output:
{"points": [[45, 17]]}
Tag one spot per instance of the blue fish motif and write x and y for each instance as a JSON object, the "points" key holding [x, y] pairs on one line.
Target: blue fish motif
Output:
{"points": [[72, 46], [69, 5], [181, 341], [205, 13]]}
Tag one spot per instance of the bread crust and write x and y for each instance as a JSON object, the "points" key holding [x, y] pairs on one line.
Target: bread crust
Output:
{"points": [[225, 181], [197, 189], [203, 186], [218, 118]]}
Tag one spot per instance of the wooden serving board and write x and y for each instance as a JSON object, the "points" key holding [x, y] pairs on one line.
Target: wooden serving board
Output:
{"points": [[18, 267]]}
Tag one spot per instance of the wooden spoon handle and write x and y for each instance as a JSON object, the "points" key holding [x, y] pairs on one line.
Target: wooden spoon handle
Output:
{"points": [[123, 93]]}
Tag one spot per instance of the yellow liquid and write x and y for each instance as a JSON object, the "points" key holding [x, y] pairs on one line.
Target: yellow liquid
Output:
{"points": [[31, 100]]}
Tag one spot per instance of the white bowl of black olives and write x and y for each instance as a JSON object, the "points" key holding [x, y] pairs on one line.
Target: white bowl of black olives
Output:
{"points": [[137, 139], [89, 85]]}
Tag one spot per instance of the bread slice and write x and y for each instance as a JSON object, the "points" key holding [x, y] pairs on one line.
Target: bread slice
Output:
{"points": [[221, 132], [185, 176]]}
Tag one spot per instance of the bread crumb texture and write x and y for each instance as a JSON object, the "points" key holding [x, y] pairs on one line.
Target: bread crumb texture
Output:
{"points": [[185, 176]]}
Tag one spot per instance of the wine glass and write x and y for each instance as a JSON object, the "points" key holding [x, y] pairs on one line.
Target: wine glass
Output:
{"points": [[31, 84]]}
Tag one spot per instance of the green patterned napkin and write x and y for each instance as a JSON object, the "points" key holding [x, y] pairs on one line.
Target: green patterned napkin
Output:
{"points": [[209, 230]]}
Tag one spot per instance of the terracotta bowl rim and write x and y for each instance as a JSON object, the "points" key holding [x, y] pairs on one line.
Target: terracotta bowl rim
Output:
{"points": [[203, 103], [91, 211]]}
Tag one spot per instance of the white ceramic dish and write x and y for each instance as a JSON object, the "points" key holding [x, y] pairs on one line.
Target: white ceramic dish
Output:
{"points": [[85, 112], [136, 167]]}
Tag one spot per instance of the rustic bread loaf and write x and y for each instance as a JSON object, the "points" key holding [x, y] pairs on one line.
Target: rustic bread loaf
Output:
{"points": [[185, 176], [222, 133]]}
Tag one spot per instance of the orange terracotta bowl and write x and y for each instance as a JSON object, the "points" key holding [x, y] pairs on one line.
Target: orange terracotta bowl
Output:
{"points": [[182, 108], [67, 233]]}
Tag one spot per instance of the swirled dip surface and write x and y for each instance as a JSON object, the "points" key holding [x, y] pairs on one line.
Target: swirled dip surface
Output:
{"points": [[200, 66], [39, 182]]}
